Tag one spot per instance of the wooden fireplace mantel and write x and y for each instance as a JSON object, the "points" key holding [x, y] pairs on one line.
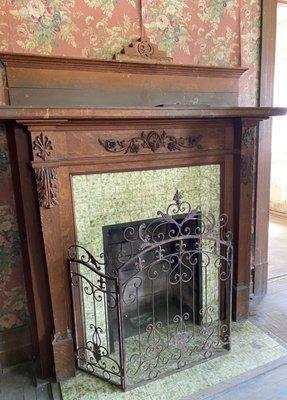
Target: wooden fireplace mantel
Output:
{"points": [[49, 145], [134, 113]]}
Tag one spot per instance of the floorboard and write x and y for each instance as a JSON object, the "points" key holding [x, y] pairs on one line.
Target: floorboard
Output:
{"points": [[277, 251], [17, 384], [271, 313], [269, 386]]}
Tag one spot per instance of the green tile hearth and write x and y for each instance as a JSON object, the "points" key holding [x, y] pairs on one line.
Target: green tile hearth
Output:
{"points": [[251, 348]]}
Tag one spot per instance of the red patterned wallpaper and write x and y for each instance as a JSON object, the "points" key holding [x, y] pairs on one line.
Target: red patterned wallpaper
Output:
{"points": [[207, 32]]}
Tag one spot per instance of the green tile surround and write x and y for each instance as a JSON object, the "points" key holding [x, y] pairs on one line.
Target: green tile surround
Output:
{"points": [[113, 198], [251, 348]]}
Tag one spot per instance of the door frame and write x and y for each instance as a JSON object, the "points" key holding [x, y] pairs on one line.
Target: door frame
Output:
{"points": [[267, 69]]}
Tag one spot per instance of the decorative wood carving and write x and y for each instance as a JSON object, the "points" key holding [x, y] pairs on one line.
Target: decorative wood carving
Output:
{"points": [[47, 187], [44, 146], [248, 136], [142, 49], [64, 335], [247, 168], [152, 141]]}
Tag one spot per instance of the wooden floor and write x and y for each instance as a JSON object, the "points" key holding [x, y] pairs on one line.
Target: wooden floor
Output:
{"points": [[18, 384], [277, 252], [266, 383], [269, 385], [271, 314], [269, 382]]}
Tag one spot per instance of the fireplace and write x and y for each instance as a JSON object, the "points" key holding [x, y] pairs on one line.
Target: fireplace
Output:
{"points": [[151, 296], [84, 174], [123, 243]]}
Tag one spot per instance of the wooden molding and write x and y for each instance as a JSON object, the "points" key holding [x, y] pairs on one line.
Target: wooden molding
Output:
{"points": [[64, 356], [268, 45], [280, 216], [244, 177], [46, 62], [26, 115]]}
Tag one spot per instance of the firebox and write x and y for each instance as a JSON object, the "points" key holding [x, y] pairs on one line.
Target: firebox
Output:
{"points": [[143, 308]]}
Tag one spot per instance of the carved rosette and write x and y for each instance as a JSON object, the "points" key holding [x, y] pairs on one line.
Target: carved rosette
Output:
{"points": [[47, 187], [43, 145], [152, 141]]}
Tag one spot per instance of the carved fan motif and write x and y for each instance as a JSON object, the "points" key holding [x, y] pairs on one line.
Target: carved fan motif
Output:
{"points": [[43, 145]]}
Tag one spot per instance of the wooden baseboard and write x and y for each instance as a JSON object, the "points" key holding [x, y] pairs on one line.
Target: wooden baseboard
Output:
{"points": [[281, 217], [15, 346]]}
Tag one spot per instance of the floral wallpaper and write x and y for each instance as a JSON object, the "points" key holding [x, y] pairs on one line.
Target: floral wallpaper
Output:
{"points": [[13, 308], [206, 32]]}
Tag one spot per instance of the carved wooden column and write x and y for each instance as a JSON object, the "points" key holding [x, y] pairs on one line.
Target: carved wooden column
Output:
{"points": [[244, 177], [45, 165]]}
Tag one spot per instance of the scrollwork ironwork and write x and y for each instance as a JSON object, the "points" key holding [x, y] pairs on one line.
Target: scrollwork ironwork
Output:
{"points": [[176, 254], [95, 357]]}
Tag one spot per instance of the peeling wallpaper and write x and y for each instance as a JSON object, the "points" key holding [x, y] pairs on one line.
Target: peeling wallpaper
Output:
{"points": [[201, 32]]}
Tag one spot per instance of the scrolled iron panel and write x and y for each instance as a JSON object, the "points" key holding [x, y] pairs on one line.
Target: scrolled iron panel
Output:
{"points": [[156, 275]]}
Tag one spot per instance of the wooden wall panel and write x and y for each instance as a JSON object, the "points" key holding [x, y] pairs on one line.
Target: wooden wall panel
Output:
{"points": [[48, 81]]}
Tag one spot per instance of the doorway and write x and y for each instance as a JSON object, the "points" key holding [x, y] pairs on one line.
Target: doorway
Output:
{"points": [[277, 252]]}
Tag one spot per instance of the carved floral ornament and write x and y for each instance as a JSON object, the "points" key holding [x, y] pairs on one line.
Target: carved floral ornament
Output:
{"points": [[152, 141], [248, 160], [47, 187], [43, 145]]}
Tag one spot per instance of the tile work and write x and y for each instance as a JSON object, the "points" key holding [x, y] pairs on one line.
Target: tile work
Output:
{"points": [[113, 198], [251, 348]]}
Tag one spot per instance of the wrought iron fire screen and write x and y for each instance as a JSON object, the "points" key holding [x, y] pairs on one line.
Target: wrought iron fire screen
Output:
{"points": [[157, 300]]}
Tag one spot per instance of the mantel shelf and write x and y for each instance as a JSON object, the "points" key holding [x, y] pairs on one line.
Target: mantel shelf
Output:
{"points": [[140, 113], [35, 61]]}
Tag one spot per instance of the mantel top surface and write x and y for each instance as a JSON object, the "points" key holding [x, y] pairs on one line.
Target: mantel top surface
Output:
{"points": [[140, 113]]}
